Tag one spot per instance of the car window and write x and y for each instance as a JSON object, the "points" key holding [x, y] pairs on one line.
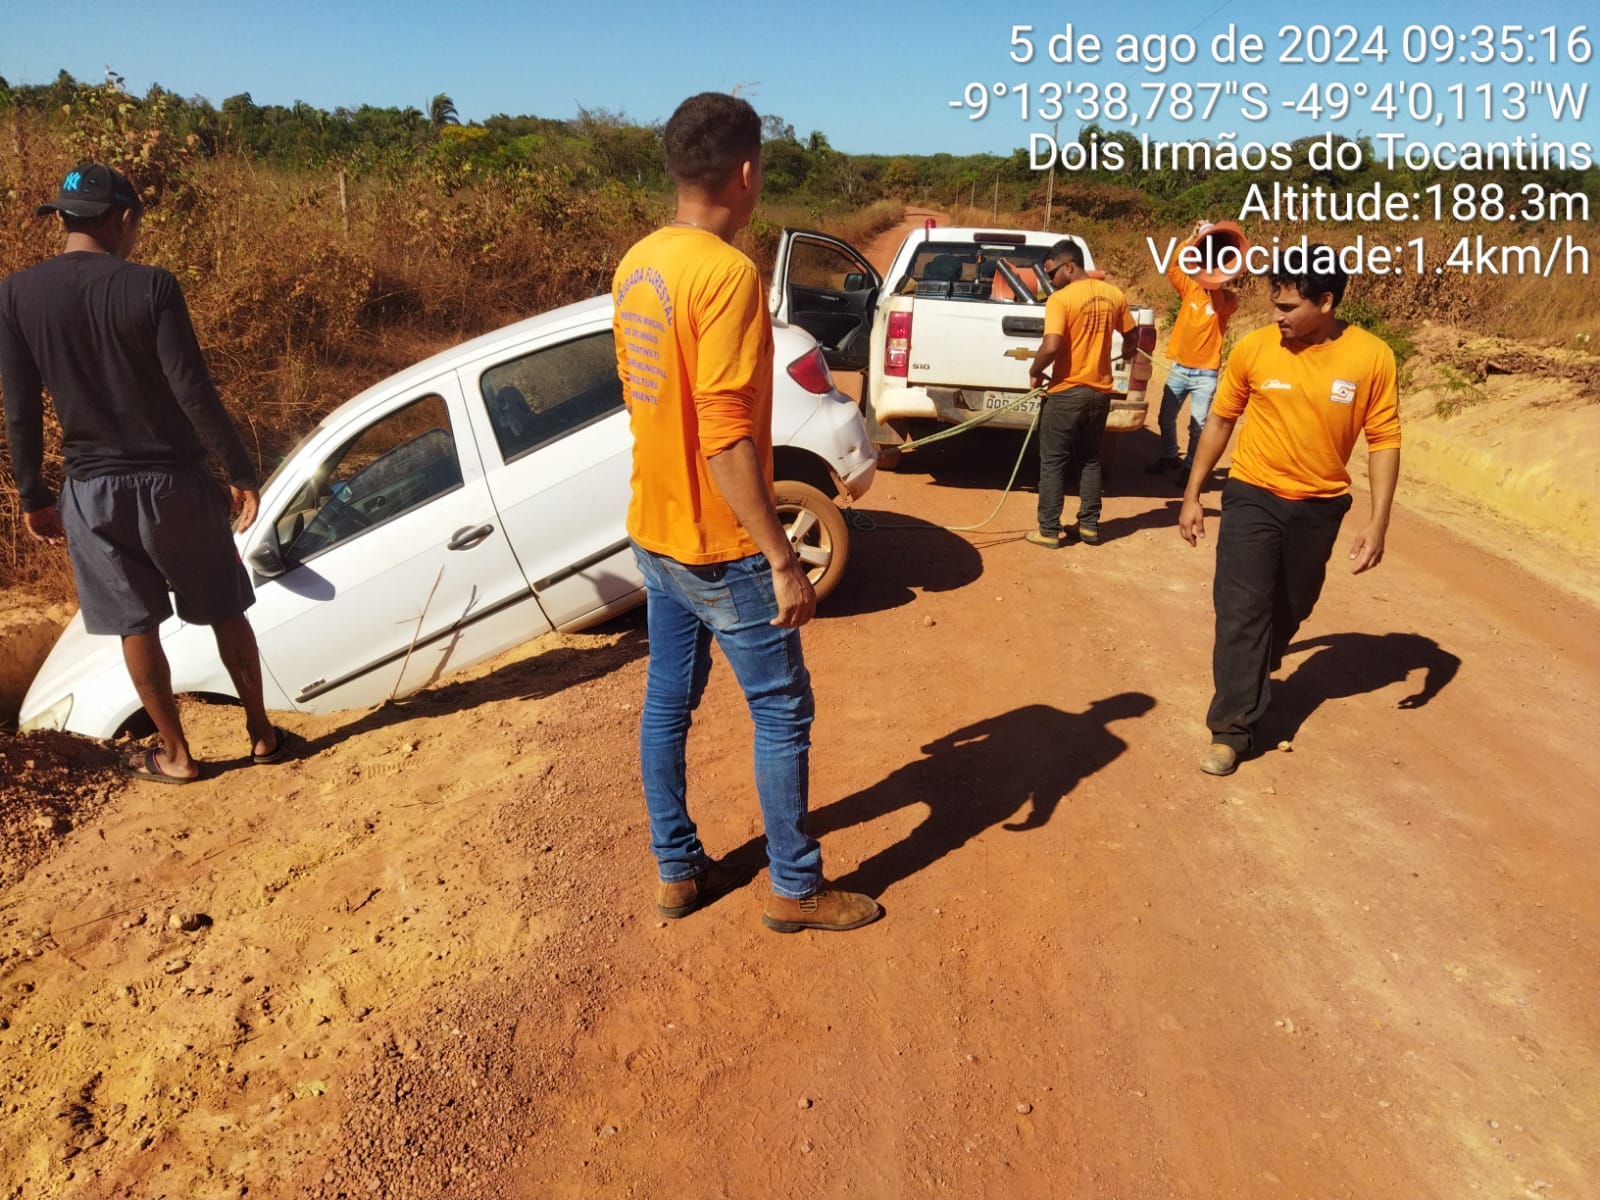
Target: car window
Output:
{"points": [[818, 265], [539, 397], [969, 269], [394, 465]]}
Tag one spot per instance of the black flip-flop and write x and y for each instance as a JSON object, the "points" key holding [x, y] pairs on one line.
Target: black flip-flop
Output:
{"points": [[148, 768], [284, 737]]}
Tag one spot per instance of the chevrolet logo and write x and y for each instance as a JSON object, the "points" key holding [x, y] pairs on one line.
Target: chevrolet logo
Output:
{"points": [[1020, 352]]}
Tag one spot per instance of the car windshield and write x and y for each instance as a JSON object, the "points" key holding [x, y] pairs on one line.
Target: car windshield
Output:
{"points": [[293, 453]]}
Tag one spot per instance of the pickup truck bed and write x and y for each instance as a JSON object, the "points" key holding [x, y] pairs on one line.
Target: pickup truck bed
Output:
{"points": [[949, 333]]}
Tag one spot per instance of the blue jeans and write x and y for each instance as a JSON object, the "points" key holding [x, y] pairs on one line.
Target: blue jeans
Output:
{"points": [[1199, 385], [686, 607]]}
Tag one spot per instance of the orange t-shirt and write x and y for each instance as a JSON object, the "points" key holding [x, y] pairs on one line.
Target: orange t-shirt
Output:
{"points": [[694, 351], [1085, 314], [1306, 408], [1196, 339]]}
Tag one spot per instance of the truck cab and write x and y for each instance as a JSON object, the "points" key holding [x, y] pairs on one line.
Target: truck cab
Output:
{"points": [[949, 334]]}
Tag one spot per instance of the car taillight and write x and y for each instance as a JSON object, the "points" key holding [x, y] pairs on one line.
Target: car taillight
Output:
{"points": [[1139, 368], [897, 346], [810, 371]]}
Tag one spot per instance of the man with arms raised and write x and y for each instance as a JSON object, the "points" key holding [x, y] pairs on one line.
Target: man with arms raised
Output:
{"points": [[694, 351], [1311, 385], [1195, 349]]}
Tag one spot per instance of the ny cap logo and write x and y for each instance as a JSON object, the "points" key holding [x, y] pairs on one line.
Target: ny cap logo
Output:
{"points": [[70, 183]]}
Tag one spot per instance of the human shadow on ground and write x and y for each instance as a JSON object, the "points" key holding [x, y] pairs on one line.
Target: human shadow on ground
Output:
{"points": [[1011, 770], [893, 557], [1350, 664], [1163, 518]]}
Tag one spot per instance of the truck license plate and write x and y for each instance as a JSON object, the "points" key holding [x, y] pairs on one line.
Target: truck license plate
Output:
{"points": [[994, 400]]}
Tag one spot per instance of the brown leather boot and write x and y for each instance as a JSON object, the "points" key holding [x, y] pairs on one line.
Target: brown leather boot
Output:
{"points": [[682, 897], [827, 908]]}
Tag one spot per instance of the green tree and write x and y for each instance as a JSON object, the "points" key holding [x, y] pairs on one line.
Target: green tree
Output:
{"points": [[442, 112], [900, 177]]}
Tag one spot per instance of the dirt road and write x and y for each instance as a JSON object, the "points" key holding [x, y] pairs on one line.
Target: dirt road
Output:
{"points": [[1361, 967]]}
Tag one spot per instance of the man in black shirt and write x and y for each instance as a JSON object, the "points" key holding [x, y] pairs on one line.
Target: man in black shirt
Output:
{"points": [[139, 509]]}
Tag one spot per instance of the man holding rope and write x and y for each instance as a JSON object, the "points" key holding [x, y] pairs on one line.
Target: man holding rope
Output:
{"points": [[1079, 319]]}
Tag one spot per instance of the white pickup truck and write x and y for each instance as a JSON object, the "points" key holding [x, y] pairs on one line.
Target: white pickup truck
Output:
{"points": [[951, 331]]}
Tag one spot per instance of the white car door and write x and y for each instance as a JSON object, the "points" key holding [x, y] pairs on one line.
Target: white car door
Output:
{"points": [[553, 417], [396, 567], [827, 288]]}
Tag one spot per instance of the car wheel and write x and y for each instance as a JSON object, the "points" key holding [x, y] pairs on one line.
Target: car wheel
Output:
{"points": [[817, 531]]}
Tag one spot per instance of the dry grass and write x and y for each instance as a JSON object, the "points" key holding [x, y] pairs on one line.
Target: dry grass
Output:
{"points": [[302, 300], [299, 304], [858, 228]]}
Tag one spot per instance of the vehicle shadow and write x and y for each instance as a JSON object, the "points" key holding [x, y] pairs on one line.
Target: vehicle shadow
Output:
{"points": [[532, 678], [984, 459], [893, 557], [1350, 664], [1011, 770]]}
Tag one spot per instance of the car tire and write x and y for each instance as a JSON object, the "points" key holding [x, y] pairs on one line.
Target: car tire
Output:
{"points": [[817, 530]]}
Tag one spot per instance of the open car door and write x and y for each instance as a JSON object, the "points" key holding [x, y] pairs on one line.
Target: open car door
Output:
{"points": [[827, 288]]}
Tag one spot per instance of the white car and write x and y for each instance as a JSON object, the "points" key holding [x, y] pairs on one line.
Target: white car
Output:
{"points": [[455, 510]]}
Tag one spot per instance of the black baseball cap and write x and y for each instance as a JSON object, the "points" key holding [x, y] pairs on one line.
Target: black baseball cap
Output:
{"points": [[92, 190]]}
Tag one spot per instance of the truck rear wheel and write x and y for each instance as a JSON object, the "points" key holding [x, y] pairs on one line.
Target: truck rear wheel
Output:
{"points": [[817, 531]]}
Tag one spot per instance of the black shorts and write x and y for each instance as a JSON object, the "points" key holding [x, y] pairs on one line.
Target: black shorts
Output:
{"points": [[133, 537]]}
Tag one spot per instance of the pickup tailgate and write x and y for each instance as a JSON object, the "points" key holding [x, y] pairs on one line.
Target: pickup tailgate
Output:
{"points": [[962, 343]]}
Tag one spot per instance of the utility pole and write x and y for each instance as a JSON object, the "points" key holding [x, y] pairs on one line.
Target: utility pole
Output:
{"points": [[1050, 188]]}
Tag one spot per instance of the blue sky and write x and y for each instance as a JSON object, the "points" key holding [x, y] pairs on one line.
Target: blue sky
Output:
{"points": [[876, 78]]}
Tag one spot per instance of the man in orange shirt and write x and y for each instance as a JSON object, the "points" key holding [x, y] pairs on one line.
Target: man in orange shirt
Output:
{"points": [[1312, 385], [1195, 351], [1079, 320], [694, 352]]}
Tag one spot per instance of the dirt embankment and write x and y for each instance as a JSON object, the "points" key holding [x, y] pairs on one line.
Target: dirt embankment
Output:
{"points": [[419, 960]]}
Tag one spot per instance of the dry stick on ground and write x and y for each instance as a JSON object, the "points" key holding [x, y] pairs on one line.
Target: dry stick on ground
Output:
{"points": [[415, 634]]}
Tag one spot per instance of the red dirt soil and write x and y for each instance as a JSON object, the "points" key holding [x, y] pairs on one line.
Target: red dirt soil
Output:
{"points": [[1363, 966]]}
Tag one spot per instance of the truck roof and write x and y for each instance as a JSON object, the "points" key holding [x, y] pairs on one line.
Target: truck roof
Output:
{"points": [[980, 235], [970, 233]]}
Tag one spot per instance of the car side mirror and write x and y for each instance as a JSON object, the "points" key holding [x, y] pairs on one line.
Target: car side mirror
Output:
{"points": [[266, 556], [856, 281]]}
